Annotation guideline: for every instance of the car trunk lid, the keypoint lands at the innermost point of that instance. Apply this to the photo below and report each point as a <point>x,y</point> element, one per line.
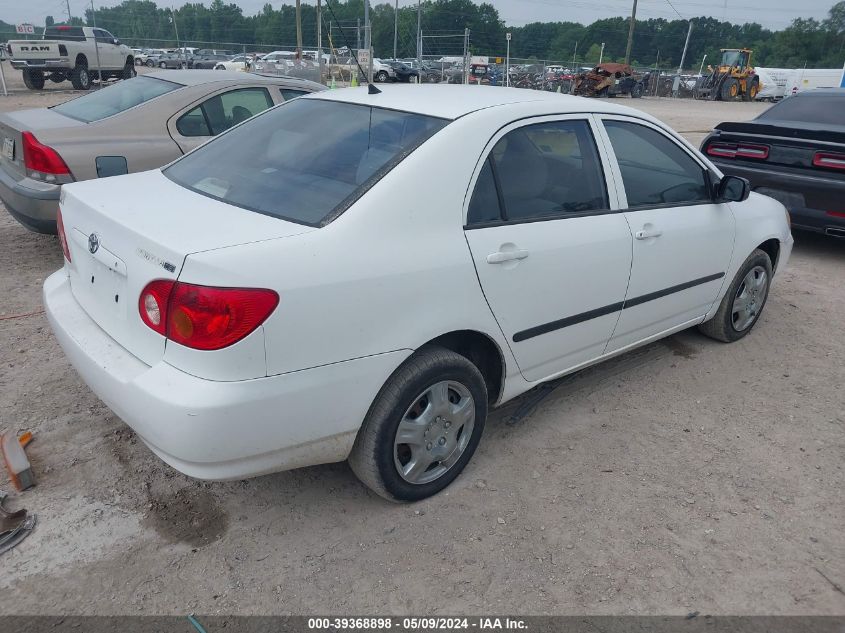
<point>789,144</point>
<point>124,232</point>
<point>39,121</point>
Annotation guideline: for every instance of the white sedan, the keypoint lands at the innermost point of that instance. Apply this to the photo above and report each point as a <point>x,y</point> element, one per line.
<point>238,62</point>
<point>280,297</point>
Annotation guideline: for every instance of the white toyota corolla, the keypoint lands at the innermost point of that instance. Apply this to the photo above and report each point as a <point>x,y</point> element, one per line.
<point>295,292</point>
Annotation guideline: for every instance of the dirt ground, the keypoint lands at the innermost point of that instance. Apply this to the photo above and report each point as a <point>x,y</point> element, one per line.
<point>686,476</point>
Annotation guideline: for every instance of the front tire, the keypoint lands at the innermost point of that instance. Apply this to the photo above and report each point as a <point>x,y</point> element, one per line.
<point>382,77</point>
<point>423,427</point>
<point>730,90</point>
<point>33,79</point>
<point>129,71</point>
<point>743,302</point>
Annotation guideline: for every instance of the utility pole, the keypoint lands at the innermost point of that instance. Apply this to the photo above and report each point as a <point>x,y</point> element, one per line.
<point>67,2</point>
<point>508,62</point>
<point>466,59</point>
<point>395,28</point>
<point>320,39</point>
<point>686,44</point>
<point>181,48</point>
<point>368,39</point>
<point>601,54</point>
<point>631,33</point>
<point>419,33</point>
<point>299,29</point>
<point>358,33</point>
<point>96,48</point>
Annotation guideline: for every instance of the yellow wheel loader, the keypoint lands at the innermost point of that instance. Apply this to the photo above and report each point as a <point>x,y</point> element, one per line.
<point>733,79</point>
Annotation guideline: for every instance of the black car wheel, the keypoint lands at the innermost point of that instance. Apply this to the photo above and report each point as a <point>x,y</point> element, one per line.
<point>80,78</point>
<point>33,79</point>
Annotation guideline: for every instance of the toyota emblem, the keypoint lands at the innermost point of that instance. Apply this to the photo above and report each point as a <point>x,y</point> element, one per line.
<point>93,243</point>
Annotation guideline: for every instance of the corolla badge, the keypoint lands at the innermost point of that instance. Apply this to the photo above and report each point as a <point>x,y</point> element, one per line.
<point>93,243</point>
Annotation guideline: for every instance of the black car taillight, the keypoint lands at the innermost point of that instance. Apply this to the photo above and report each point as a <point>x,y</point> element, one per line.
<point>829,160</point>
<point>738,150</point>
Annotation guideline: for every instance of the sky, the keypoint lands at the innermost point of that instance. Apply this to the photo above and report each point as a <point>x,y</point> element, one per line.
<point>773,14</point>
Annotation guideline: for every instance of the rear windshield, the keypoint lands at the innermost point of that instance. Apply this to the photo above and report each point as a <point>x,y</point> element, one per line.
<point>305,161</point>
<point>809,108</point>
<point>71,33</point>
<point>115,98</point>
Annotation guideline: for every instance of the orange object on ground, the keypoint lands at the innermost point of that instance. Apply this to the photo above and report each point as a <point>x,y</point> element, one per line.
<point>16,460</point>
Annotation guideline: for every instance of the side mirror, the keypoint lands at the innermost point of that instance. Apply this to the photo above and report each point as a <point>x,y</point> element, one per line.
<point>733,189</point>
<point>116,41</point>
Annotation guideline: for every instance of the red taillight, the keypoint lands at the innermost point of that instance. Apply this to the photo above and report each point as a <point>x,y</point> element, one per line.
<point>153,304</point>
<point>722,150</point>
<point>738,150</point>
<point>829,160</point>
<point>41,158</point>
<point>204,317</point>
<point>747,150</point>
<point>836,214</point>
<point>60,229</point>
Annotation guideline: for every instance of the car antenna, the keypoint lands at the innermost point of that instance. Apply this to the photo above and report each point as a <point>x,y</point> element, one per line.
<point>371,88</point>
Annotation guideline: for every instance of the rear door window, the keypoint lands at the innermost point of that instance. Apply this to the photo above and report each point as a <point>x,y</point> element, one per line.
<point>220,112</point>
<point>305,162</point>
<point>545,170</point>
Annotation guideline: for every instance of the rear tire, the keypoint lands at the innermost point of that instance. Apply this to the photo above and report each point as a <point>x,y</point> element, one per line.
<point>33,79</point>
<point>637,91</point>
<point>750,288</point>
<point>80,77</point>
<point>129,71</point>
<point>382,76</point>
<point>150,63</point>
<point>440,399</point>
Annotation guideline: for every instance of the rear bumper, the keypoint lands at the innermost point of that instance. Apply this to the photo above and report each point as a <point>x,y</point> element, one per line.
<point>811,200</point>
<point>221,430</point>
<point>31,203</point>
<point>41,64</point>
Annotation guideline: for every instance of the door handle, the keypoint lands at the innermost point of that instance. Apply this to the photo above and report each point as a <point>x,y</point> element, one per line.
<point>500,257</point>
<point>647,233</point>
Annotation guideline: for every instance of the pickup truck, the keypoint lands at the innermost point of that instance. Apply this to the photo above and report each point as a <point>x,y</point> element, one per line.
<point>74,53</point>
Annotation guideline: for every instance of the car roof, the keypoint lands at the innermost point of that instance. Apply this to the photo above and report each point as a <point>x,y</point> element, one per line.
<point>452,102</point>
<point>199,77</point>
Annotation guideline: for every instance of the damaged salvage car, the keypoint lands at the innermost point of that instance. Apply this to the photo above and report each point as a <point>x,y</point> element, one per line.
<point>274,299</point>
<point>609,80</point>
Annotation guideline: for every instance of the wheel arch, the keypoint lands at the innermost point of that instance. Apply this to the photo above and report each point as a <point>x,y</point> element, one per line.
<point>81,60</point>
<point>482,351</point>
<point>772,248</point>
